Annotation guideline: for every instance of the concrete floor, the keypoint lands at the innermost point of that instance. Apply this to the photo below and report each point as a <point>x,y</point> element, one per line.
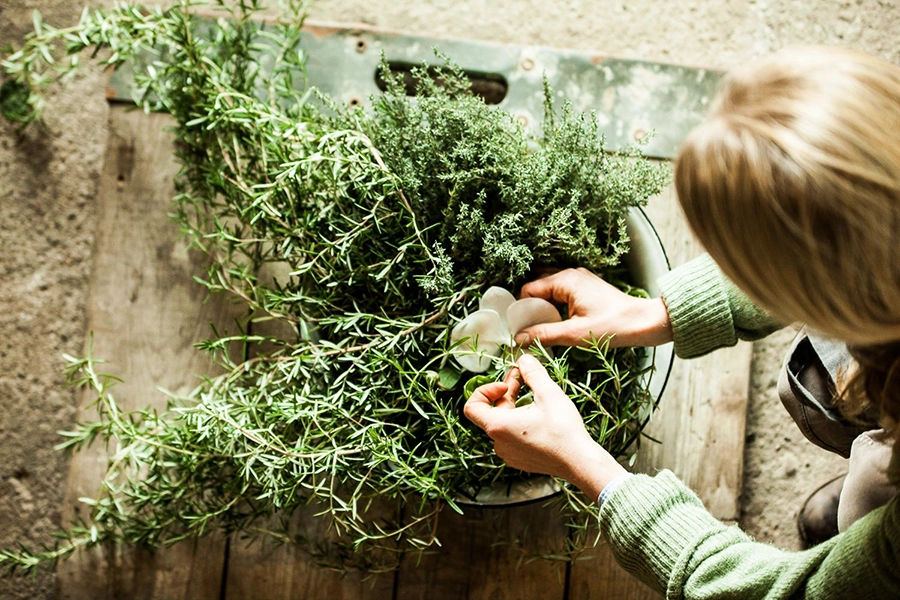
<point>48,182</point>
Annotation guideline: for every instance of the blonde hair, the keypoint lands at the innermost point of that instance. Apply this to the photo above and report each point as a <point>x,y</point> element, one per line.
<point>793,186</point>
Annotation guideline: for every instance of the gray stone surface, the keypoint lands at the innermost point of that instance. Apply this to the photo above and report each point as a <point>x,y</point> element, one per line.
<point>48,182</point>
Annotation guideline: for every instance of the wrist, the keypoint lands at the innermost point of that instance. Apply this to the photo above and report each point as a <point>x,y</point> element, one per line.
<point>591,468</point>
<point>655,326</point>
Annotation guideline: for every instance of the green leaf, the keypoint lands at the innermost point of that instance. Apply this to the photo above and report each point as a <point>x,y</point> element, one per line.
<point>448,376</point>
<point>37,21</point>
<point>14,101</point>
<point>475,382</point>
<point>524,399</point>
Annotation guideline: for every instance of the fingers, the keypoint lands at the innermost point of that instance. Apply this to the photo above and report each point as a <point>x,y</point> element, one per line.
<point>570,332</point>
<point>537,378</point>
<point>479,406</point>
<point>489,393</point>
<point>552,288</point>
<point>513,381</point>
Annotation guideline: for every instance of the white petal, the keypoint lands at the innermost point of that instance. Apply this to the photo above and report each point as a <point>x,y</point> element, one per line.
<point>498,299</point>
<point>479,337</point>
<point>530,311</point>
<point>480,362</point>
<point>486,325</point>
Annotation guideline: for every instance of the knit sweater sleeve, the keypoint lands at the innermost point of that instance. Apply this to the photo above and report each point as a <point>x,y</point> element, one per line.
<point>707,311</point>
<point>659,531</point>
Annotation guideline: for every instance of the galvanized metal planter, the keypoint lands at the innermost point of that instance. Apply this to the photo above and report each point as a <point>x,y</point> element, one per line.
<point>646,261</point>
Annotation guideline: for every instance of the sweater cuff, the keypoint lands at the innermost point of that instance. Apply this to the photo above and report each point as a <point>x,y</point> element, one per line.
<point>650,522</point>
<point>611,487</point>
<point>699,311</point>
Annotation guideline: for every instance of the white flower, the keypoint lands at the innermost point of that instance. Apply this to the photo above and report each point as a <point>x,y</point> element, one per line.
<point>480,337</point>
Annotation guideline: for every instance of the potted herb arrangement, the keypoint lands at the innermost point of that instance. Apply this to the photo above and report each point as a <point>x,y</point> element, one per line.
<point>391,228</point>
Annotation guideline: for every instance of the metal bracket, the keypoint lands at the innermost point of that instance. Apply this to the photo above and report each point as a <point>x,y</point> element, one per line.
<point>631,98</point>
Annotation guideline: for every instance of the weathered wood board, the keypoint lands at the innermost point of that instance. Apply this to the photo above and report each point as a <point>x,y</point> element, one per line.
<point>477,562</point>
<point>145,314</point>
<point>263,569</point>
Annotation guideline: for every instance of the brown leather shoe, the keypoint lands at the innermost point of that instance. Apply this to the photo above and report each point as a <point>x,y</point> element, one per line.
<point>817,520</point>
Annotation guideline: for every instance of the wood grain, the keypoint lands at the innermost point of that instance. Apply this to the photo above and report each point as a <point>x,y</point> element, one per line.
<point>145,313</point>
<point>262,569</point>
<point>598,575</point>
<point>477,562</point>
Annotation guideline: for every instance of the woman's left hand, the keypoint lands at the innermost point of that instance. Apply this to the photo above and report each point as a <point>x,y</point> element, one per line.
<point>547,436</point>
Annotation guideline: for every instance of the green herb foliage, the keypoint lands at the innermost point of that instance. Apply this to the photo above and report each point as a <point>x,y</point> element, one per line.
<point>357,239</point>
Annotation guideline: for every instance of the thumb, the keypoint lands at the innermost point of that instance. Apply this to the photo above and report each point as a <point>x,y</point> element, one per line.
<point>479,407</point>
<point>537,378</point>
<point>563,333</point>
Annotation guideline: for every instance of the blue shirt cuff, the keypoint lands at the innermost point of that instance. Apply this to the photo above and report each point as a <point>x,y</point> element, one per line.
<point>611,487</point>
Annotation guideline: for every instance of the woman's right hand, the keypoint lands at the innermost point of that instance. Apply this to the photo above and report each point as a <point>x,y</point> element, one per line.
<point>597,310</point>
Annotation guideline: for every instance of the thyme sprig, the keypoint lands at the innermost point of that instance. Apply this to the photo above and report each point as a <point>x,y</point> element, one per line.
<point>356,239</point>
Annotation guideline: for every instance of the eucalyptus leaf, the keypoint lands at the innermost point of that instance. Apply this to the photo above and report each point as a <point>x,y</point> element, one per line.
<point>449,376</point>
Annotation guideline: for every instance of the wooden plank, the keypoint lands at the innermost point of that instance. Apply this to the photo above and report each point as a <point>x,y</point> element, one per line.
<point>702,419</point>
<point>701,423</point>
<point>598,575</point>
<point>145,313</point>
<point>263,568</point>
<point>477,562</point>
<point>702,426</point>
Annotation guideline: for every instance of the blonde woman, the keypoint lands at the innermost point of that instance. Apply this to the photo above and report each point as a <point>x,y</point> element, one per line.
<point>792,184</point>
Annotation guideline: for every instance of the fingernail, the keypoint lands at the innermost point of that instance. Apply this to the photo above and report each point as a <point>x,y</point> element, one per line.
<point>527,357</point>
<point>512,372</point>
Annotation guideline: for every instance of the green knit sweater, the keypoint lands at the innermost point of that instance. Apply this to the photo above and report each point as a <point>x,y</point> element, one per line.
<point>707,311</point>
<point>659,530</point>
